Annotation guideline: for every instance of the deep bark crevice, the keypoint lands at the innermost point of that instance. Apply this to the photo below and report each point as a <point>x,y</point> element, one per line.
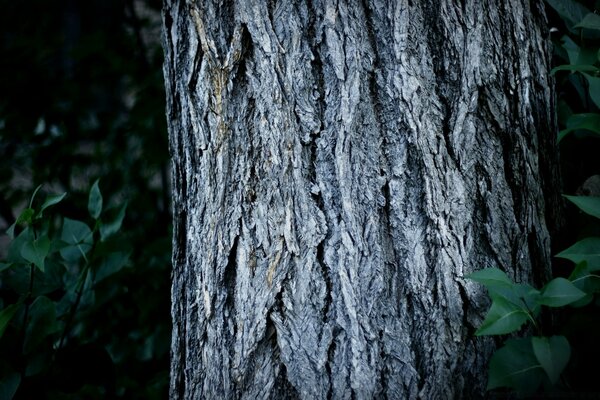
<point>230,275</point>
<point>286,390</point>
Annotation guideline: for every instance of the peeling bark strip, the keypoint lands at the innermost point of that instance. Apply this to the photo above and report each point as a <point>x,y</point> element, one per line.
<point>339,166</point>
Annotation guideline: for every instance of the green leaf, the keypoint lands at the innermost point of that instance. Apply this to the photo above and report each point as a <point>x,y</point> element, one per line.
<point>95,200</point>
<point>4,266</point>
<point>577,68</point>
<point>500,285</point>
<point>587,250</point>
<point>111,264</point>
<point>586,121</point>
<point>564,112</point>
<point>588,204</point>
<point>515,366</point>
<point>14,249</point>
<point>11,230</point>
<point>503,317</point>
<point>26,216</point>
<point>594,88</point>
<point>112,227</point>
<point>491,277</point>
<point>569,10</point>
<point>35,251</point>
<point>584,301</point>
<point>553,354</point>
<point>559,292</point>
<point>50,201</point>
<point>590,21</point>
<point>42,323</point>
<point>584,278</point>
<point>78,237</point>
<point>572,50</point>
<point>6,315</point>
<point>9,385</point>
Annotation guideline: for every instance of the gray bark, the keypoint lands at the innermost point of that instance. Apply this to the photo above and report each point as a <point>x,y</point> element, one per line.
<point>339,167</point>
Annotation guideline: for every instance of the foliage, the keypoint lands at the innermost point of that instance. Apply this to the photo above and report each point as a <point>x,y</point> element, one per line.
<point>81,97</point>
<point>53,274</point>
<point>525,364</point>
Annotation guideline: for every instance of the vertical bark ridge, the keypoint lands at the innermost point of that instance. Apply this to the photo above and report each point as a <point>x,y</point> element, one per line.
<point>340,165</point>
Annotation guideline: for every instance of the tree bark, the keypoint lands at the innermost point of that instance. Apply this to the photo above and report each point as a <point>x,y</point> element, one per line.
<point>339,167</point>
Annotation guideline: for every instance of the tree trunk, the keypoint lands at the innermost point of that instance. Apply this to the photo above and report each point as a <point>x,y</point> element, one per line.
<point>339,167</point>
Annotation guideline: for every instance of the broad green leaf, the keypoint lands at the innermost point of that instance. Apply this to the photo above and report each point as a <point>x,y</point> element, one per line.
<point>110,228</point>
<point>564,112</point>
<point>503,317</point>
<point>515,366</point>
<point>26,216</point>
<point>594,88</point>
<point>53,279</point>
<point>14,249</point>
<point>577,68</point>
<point>587,204</point>
<point>6,315</point>
<point>572,49</point>
<point>553,354</point>
<point>11,230</point>
<point>585,121</point>
<point>562,133</point>
<point>42,323</point>
<point>95,201</point>
<point>78,237</point>
<point>35,251</point>
<point>584,301</point>
<point>585,279</point>
<point>490,277</point>
<point>570,11</point>
<point>590,21</point>
<point>500,286</point>
<point>111,264</point>
<point>4,266</point>
<point>587,250</point>
<point>559,292</point>
<point>51,201</point>
<point>9,385</point>
<point>578,81</point>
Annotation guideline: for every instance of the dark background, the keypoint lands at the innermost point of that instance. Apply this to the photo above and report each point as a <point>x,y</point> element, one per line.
<point>81,98</point>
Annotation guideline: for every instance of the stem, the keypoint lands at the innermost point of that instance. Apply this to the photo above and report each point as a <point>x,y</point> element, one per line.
<point>80,287</point>
<point>71,316</point>
<point>26,315</point>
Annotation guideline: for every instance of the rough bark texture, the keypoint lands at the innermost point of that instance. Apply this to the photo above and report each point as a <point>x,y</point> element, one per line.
<point>339,166</point>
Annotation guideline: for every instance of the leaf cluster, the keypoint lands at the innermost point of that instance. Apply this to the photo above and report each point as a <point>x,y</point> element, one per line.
<point>52,273</point>
<point>527,363</point>
<point>579,48</point>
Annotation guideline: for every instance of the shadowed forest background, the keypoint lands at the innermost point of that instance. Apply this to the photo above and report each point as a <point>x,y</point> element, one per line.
<point>82,98</point>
